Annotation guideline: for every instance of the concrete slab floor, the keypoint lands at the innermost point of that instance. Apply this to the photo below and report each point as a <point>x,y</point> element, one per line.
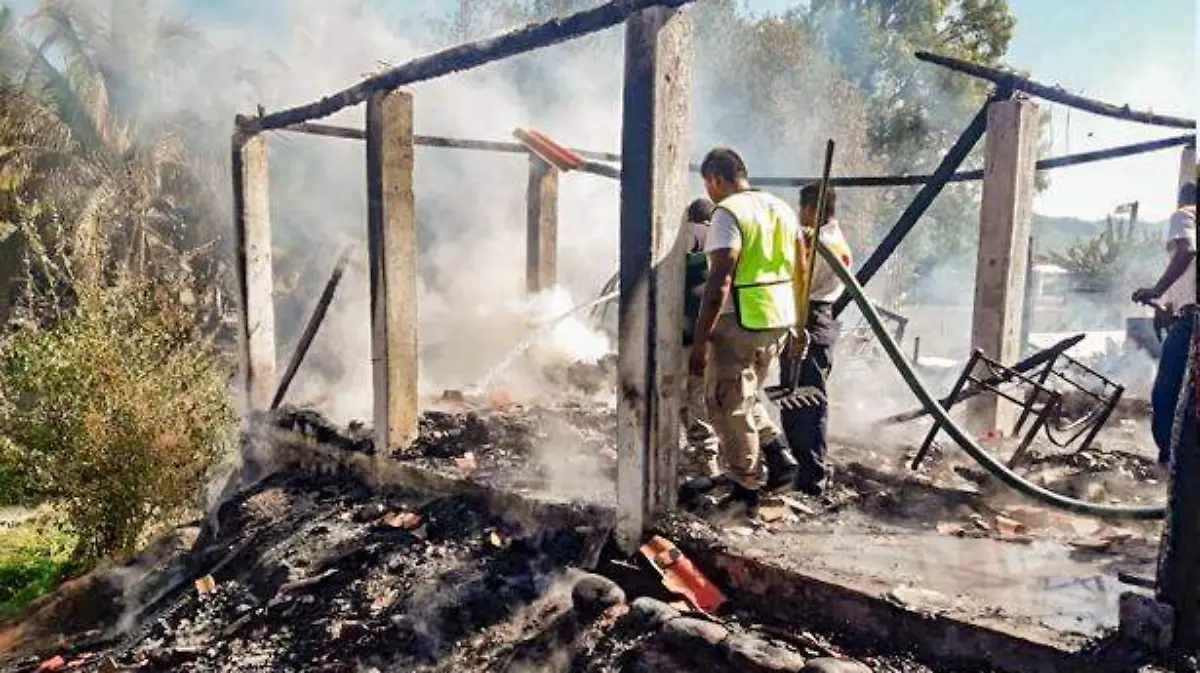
<point>1043,589</point>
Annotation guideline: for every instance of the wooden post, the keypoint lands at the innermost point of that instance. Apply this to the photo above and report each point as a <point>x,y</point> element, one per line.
<point>392,249</point>
<point>1004,228</point>
<point>252,234</point>
<point>655,146</point>
<point>541,234</point>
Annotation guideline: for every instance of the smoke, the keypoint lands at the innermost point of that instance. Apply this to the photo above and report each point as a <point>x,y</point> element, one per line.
<point>471,205</point>
<point>572,474</point>
<point>471,300</point>
<point>472,304</point>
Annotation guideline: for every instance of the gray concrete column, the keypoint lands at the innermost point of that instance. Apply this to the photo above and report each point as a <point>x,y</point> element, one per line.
<point>1004,229</point>
<point>655,148</point>
<point>392,249</point>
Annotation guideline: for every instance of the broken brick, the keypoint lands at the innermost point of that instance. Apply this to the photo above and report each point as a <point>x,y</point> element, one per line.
<point>403,520</point>
<point>55,663</point>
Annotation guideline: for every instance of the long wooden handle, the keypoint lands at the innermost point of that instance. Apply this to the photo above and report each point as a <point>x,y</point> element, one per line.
<point>804,292</point>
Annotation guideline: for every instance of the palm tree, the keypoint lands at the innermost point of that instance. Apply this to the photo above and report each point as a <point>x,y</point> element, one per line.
<point>133,200</point>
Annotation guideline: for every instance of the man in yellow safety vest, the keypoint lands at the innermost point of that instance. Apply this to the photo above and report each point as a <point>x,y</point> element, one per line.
<point>747,309</point>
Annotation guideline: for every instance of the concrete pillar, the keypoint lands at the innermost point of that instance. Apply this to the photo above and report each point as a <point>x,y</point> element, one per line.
<point>541,234</point>
<point>1004,229</point>
<point>392,249</point>
<point>252,234</point>
<point>655,148</point>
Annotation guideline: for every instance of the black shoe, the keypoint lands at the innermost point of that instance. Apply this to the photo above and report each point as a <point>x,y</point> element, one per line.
<point>740,498</point>
<point>782,468</point>
<point>811,488</point>
<point>692,492</point>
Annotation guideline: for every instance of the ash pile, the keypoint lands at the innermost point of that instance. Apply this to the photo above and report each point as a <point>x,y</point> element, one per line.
<point>565,450</point>
<point>320,573</point>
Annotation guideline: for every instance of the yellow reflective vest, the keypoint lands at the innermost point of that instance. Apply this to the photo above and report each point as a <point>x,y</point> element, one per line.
<point>763,292</point>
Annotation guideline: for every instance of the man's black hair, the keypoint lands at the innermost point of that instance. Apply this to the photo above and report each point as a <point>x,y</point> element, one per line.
<point>724,163</point>
<point>811,192</point>
<point>700,211</point>
<point>1187,194</point>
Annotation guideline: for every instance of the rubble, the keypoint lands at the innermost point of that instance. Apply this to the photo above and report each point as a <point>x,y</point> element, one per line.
<point>506,446</point>
<point>318,572</point>
<point>322,570</point>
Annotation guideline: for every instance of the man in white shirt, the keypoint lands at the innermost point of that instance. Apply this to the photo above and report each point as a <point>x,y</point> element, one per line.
<point>1177,290</point>
<point>807,426</point>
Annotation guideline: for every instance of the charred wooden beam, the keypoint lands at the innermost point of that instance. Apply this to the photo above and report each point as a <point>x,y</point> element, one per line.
<point>921,202</point>
<point>975,175</point>
<point>1015,82</point>
<point>310,330</point>
<point>463,57</point>
<point>333,131</point>
<point>596,165</point>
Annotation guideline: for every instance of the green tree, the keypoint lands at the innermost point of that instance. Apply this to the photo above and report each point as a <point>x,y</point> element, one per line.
<point>114,165</point>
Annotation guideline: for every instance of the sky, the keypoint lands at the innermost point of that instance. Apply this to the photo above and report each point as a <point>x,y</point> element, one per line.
<point>1137,52</point>
<point>1119,51</point>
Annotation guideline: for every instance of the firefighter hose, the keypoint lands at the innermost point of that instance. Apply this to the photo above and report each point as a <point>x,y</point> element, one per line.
<point>986,461</point>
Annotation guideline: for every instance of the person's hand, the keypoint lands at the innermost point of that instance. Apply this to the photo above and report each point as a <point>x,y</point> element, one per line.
<point>1145,295</point>
<point>698,358</point>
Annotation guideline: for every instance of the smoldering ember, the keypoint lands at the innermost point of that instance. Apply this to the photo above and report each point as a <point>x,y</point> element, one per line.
<point>895,417</point>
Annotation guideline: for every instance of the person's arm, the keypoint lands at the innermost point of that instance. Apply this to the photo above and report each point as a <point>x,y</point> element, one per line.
<point>1183,251</point>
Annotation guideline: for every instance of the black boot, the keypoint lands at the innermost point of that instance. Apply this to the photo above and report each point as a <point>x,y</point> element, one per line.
<point>782,468</point>
<point>692,492</point>
<point>740,497</point>
<point>809,487</point>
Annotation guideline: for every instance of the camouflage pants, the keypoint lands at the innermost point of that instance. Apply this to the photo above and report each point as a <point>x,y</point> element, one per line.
<point>701,437</point>
<point>738,363</point>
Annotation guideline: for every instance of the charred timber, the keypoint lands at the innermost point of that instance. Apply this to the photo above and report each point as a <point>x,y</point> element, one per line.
<point>463,57</point>
<point>973,175</point>
<point>332,131</point>
<point>310,330</point>
<point>596,165</point>
<point>1055,94</point>
<point>921,202</point>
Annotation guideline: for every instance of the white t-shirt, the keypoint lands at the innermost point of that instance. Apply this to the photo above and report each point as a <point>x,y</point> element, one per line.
<point>825,285</point>
<point>1181,230</point>
<point>724,233</point>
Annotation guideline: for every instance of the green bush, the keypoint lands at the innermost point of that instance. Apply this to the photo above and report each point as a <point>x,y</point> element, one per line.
<point>119,412</point>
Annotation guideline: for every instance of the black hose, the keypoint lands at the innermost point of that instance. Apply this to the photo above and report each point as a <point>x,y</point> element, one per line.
<point>996,468</point>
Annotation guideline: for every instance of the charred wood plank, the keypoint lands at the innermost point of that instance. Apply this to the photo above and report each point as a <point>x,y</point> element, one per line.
<point>464,57</point>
